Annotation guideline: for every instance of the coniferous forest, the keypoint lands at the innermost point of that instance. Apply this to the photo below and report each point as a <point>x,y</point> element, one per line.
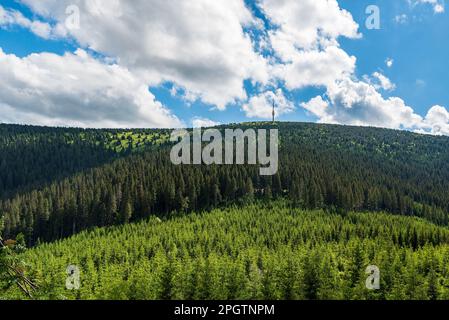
<point>138,227</point>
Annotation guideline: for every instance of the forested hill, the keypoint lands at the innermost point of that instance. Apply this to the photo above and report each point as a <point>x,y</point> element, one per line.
<point>57,182</point>
<point>31,156</point>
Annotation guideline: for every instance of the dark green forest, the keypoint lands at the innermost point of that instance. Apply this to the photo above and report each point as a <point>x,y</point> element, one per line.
<point>32,156</point>
<point>139,227</point>
<point>331,167</point>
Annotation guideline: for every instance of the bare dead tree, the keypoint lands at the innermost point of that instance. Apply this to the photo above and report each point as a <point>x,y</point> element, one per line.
<point>16,272</point>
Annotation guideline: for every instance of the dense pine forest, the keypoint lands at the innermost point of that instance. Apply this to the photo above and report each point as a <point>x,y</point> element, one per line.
<point>338,168</point>
<point>32,156</point>
<point>139,227</point>
<point>261,251</point>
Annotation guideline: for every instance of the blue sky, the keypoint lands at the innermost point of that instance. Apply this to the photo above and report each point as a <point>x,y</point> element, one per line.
<point>412,35</point>
<point>420,69</point>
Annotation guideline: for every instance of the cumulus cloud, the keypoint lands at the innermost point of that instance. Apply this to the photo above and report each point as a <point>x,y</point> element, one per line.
<point>308,23</point>
<point>316,68</point>
<point>199,122</point>
<point>10,17</point>
<point>305,40</point>
<point>199,45</point>
<point>317,106</point>
<point>380,81</point>
<point>261,106</point>
<point>202,48</point>
<point>207,50</point>
<point>358,103</point>
<point>437,121</point>
<point>76,90</point>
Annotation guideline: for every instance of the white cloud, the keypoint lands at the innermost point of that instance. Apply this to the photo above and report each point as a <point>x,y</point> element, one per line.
<point>439,8</point>
<point>202,48</point>
<point>308,23</point>
<point>13,17</point>
<point>316,68</point>
<point>317,106</point>
<point>206,52</point>
<point>379,81</point>
<point>437,121</point>
<point>384,82</point>
<point>358,103</point>
<point>437,5</point>
<point>306,41</point>
<point>389,62</point>
<point>401,18</point>
<point>76,90</point>
<point>199,45</point>
<point>261,106</point>
<point>199,122</point>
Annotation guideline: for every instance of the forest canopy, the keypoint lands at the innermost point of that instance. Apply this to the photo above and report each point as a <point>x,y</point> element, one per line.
<point>259,251</point>
<point>320,166</point>
<point>111,203</point>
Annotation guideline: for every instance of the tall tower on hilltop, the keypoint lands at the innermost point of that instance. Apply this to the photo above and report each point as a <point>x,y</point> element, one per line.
<point>274,112</point>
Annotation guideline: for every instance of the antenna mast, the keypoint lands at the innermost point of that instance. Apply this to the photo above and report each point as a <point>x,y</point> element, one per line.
<point>274,112</point>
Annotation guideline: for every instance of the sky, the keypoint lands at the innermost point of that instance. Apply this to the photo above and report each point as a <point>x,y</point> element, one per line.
<point>177,63</point>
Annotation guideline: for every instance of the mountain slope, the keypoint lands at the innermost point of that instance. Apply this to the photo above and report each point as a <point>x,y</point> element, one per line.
<point>321,166</point>
<point>33,156</point>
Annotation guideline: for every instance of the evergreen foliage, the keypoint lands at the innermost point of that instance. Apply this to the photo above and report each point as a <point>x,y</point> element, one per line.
<point>321,166</point>
<point>259,251</point>
<point>139,227</point>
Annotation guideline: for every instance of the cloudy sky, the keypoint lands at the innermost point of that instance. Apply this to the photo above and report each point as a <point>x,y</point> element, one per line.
<point>159,63</point>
